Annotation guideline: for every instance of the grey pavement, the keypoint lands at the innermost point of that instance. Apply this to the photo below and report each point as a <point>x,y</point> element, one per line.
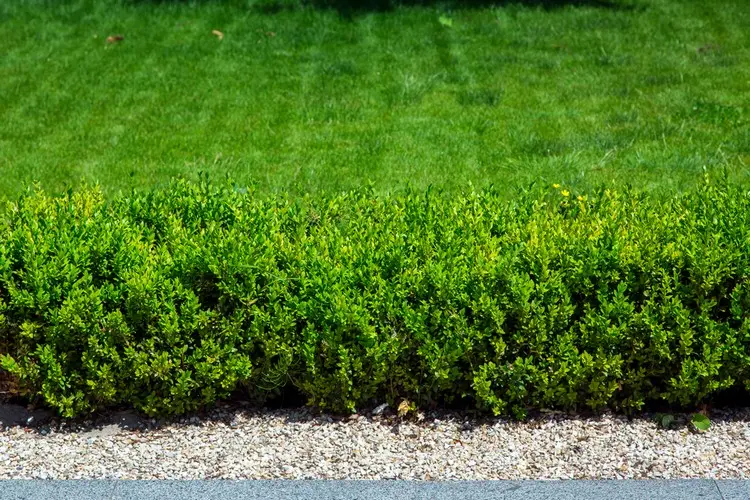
<point>376,490</point>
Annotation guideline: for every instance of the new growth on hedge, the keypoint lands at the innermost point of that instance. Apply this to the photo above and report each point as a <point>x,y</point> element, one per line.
<point>169,300</point>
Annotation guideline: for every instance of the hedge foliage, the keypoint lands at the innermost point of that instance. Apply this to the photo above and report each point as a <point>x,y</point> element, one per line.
<point>169,300</point>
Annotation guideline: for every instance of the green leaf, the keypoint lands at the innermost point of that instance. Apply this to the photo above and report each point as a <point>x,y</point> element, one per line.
<point>446,21</point>
<point>666,420</point>
<point>700,422</point>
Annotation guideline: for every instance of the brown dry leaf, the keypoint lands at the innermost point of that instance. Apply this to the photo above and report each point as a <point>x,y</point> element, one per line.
<point>218,34</point>
<point>115,38</point>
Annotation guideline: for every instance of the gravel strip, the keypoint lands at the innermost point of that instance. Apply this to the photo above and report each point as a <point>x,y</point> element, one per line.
<point>231,442</point>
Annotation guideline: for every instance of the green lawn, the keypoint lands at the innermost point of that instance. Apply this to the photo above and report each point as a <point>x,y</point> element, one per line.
<point>307,99</point>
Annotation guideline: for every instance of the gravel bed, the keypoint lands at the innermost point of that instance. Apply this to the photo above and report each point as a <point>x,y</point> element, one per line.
<point>233,442</point>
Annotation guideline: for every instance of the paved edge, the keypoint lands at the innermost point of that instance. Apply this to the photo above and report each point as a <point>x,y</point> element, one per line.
<point>682,489</point>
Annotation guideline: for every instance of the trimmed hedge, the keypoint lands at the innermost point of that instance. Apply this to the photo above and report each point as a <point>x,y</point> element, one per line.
<point>169,300</point>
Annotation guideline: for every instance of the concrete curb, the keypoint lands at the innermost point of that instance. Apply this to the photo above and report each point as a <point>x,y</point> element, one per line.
<point>704,489</point>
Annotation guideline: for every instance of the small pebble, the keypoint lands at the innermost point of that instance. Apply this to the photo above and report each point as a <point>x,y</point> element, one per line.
<point>380,409</point>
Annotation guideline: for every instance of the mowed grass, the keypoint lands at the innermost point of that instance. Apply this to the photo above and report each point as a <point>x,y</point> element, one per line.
<point>647,92</point>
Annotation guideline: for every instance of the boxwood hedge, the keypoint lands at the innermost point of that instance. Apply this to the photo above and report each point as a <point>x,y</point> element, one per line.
<point>169,300</point>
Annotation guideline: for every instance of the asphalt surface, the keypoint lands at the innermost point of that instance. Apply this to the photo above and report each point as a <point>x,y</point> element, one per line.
<point>705,489</point>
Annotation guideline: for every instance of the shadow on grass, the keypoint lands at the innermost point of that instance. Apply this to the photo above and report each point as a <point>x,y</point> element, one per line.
<point>355,6</point>
<point>350,8</point>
